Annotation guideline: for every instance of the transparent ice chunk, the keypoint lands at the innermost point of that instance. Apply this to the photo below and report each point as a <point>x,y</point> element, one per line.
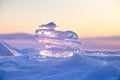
<point>57,43</point>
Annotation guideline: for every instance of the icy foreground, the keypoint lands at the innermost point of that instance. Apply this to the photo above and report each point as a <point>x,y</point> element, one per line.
<point>56,55</point>
<point>86,65</point>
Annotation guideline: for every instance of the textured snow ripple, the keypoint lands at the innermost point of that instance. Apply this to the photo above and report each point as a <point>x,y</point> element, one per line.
<point>100,53</point>
<point>32,66</point>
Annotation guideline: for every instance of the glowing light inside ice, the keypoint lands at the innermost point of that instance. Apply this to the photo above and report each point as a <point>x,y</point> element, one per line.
<point>57,43</point>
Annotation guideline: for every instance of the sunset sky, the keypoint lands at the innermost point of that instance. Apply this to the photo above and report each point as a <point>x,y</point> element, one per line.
<point>89,18</point>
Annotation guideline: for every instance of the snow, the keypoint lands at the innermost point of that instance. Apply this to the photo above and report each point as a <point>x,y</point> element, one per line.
<point>86,65</point>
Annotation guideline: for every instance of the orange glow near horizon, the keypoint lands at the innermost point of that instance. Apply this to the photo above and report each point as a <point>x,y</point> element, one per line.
<point>88,18</point>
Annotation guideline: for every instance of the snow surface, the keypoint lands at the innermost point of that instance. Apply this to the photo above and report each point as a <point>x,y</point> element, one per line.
<point>86,65</point>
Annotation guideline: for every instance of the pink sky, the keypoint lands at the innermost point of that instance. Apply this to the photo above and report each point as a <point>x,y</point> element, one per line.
<point>89,18</point>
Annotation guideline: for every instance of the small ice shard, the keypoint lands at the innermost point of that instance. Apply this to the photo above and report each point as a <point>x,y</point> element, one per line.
<point>50,25</point>
<point>5,50</point>
<point>57,43</point>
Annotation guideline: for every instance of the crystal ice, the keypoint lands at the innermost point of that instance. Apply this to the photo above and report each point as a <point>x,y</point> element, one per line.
<point>57,43</point>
